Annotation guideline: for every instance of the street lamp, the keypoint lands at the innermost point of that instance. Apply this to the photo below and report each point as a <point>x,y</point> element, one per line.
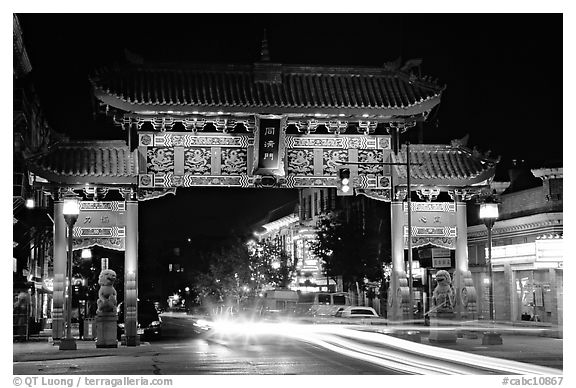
<point>489,214</point>
<point>71,209</point>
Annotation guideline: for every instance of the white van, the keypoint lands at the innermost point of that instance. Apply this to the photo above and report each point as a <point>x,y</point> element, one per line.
<point>279,301</point>
<point>322,303</point>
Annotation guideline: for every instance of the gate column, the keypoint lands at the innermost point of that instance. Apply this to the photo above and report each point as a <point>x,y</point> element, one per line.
<point>463,284</point>
<point>131,274</point>
<point>59,271</point>
<point>398,291</point>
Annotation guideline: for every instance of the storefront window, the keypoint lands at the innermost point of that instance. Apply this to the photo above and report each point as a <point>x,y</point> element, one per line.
<point>534,296</point>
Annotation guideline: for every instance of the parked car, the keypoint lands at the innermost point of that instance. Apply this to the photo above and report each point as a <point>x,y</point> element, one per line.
<point>356,312</point>
<point>149,321</point>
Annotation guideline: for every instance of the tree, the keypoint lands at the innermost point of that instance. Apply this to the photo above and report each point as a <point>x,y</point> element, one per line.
<point>270,265</point>
<point>227,276</point>
<point>351,249</point>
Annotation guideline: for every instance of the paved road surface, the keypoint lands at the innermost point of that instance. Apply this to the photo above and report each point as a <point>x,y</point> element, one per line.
<point>269,349</point>
<point>181,351</point>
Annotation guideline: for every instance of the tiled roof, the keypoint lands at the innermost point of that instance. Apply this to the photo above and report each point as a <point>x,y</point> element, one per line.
<point>283,211</point>
<point>21,62</point>
<point>81,162</point>
<point>443,165</point>
<point>266,88</point>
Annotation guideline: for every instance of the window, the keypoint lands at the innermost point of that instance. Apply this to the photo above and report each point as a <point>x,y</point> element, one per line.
<point>175,268</point>
<point>361,312</point>
<point>339,299</point>
<point>306,298</point>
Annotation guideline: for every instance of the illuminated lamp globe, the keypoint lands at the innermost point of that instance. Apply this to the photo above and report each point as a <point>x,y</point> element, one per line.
<point>489,210</point>
<point>71,207</point>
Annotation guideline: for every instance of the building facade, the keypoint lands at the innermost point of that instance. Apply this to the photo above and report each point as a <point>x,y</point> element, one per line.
<point>527,252</point>
<point>32,225</point>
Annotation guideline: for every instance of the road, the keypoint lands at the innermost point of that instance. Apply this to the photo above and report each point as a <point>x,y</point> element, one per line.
<point>272,348</point>
<point>182,351</point>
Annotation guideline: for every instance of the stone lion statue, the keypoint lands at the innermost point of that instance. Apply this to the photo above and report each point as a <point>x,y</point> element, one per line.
<point>443,295</point>
<point>107,293</point>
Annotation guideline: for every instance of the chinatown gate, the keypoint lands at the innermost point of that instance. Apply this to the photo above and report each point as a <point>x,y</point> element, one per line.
<point>265,125</point>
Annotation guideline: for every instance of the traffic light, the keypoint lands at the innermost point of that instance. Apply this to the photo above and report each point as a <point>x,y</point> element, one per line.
<point>344,182</point>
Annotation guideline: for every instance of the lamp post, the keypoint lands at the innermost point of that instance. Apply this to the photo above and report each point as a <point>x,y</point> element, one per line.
<point>489,214</point>
<point>71,209</point>
<point>410,261</point>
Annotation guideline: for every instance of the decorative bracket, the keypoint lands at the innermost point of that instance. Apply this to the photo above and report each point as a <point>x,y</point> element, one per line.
<point>163,123</point>
<point>402,126</point>
<point>428,194</point>
<point>464,194</point>
<point>337,127</point>
<point>400,194</point>
<point>95,193</point>
<point>367,127</point>
<point>129,194</point>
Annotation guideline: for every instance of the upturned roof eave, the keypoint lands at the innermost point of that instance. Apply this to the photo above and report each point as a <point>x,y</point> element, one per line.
<point>183,109</point>
<point>484,178</point>
<point>129,177</point>
<point>80,180</point>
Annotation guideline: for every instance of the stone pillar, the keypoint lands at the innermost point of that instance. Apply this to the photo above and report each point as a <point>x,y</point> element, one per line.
<point>398,291</point>
<point>59,271</point>
<point>106,327</point>
<point>131,274</point>
<point>463,284</point>
<point>440,330</point>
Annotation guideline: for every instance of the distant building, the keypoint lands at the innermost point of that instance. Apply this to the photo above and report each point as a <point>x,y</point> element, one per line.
<point>293,228</point>
<point>280,229</point>
<point>314,203</point>
<point>527,253</point>
<point>32,227</point>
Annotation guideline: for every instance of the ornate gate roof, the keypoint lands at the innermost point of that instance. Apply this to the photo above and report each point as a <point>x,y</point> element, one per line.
<point>106,162</point>
<point>443,165</point>
<point>266,88</point>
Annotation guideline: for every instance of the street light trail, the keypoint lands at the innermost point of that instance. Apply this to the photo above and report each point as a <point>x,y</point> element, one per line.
<point>382,350</point>
<point>452,361</point>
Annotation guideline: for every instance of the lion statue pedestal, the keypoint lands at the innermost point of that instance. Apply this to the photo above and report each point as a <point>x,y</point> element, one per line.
<point>442,312</point>
<point>106,318</point>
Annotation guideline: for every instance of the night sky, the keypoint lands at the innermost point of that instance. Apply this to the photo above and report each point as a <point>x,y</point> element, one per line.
<point>503,75</point>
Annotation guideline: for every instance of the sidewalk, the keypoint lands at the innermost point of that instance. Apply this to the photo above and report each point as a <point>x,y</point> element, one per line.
<point>531,349</point>
<point>48,350</point>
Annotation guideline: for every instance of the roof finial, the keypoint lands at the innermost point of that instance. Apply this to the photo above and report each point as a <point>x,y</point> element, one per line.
<point>264,53</point>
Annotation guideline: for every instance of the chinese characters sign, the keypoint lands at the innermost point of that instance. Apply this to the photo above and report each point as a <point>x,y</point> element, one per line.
<point>441,258</point>
<point>101,223</point>
<point>432,223</point>
<point>269,141</point>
